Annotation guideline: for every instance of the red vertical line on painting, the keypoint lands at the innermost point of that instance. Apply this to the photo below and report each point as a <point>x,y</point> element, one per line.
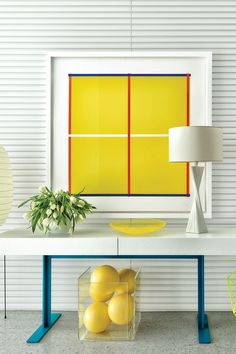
<point>129,128</point>
<point>69,138</point>
<point>188,123</point>
<point>188,100</point>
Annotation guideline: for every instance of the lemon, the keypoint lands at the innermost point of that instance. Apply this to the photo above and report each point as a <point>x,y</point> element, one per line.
<point>98,292</point>
<point>96,318</point>
<point>107,276</point>
<point>121,309</point>
<point>127,276</point>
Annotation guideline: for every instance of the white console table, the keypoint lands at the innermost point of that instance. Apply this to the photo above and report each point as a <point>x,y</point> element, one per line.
<point>102,242</point>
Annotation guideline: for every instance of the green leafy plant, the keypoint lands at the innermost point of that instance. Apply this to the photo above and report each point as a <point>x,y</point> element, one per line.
<point>50,210</point>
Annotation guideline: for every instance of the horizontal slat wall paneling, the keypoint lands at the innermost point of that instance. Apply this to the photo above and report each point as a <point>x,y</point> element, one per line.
<point>28,30</point>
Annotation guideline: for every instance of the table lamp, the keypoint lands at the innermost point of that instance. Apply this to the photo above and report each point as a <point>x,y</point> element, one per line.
<point>195,144</point>
<point>6,185</point>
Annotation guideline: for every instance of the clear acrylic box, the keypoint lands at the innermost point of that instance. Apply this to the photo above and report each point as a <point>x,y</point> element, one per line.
<point>114,331</point>
<point>231,282</point>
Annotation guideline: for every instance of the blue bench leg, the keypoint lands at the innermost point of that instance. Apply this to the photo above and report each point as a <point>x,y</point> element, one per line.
<point>203,327</point>
<point>48,319</point>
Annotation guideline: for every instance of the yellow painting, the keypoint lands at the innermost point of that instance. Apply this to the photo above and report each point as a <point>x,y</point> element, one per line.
<point>151,170</point>
<point>118,134</point>
<point>98,165</point>
<point>99,105</point>
<point>157,103</point>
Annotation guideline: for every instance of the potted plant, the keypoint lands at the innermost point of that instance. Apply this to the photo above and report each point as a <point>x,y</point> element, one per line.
<point>57,211</point>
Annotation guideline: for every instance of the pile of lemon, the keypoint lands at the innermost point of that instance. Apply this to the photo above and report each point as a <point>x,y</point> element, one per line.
<point>109,285</point>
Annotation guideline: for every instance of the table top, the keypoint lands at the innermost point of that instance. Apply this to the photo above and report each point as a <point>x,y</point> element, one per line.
<point>101,240</point>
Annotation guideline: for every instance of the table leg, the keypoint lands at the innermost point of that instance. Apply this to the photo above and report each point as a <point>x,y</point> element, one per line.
<point>48,319</point>
<point>5,285</point>
<point>203,328</point>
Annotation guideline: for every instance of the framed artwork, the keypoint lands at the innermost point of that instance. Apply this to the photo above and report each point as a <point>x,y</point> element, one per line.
<point>110,114</point>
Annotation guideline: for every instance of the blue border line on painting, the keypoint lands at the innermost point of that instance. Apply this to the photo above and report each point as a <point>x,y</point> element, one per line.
<point>128,74</point>
<point>135,195</point>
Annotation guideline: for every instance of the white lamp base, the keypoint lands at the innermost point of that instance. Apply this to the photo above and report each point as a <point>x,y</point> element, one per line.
<point>196,222</point>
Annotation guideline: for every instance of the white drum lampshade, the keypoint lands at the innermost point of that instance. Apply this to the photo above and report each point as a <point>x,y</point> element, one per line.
<point>6,185</point>
<point>195,144</point>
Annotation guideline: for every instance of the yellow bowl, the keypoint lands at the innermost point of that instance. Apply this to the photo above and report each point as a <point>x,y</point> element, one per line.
<point>138,226</point>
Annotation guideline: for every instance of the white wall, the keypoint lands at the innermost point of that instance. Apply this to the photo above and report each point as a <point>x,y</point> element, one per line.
<point>28,29</point>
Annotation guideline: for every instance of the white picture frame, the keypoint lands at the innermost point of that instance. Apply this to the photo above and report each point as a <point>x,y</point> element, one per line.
<point>60,64</point>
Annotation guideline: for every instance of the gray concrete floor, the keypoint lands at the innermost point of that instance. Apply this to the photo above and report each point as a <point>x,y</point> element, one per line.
<point>159,332</point>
